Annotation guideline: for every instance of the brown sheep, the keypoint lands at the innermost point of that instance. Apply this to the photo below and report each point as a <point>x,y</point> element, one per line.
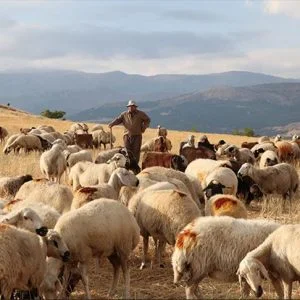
<point>285,151</point>
<point>191,153</point>
<point>248,145</point>
<point>160,144</point>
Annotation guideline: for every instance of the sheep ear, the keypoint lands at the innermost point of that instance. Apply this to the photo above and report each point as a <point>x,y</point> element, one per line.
<point>263,270</point>
<point>11,218</point>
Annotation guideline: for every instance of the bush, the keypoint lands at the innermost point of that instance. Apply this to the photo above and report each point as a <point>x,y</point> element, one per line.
<point>246,131</point>
<point>57,114</point>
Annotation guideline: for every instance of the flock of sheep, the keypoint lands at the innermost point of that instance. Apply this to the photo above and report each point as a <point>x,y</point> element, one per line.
<point>198,206</point>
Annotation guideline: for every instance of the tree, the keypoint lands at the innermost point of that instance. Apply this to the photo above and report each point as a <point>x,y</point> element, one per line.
<point>248,131</point>
<point>56,114</point>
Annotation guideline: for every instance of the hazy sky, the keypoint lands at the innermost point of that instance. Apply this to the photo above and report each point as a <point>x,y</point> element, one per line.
<point>152,37</point>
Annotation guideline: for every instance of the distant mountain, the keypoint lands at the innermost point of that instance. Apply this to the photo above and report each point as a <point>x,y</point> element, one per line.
<point>71,91</point>
<point>218,109</point>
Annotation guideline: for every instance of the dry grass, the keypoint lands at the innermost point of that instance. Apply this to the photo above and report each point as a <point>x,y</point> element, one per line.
<point>154,283</point>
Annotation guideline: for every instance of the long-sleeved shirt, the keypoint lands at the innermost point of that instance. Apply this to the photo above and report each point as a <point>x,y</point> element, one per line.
<point>135,123</point>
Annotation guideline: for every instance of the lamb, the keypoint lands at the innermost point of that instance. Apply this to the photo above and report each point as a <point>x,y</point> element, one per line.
<point>83,155</point>
<point>110,190</point>
<point>100,173</point>
<point>26,268</point>
<point>150,144</point>
<point>223,176</point>
<point>214,247</point>
<point>268,158</point>
<point>53,163</point>
<point>3,134</point>
<point>53,194</point>
<point>26,142</point>
<point>102,227</point>
<point>242,155</point>
<point>275,259</point>
<point>9,186</point>
<point>47,214</point>
<point>225,205</point>
<point>162,214</point>
<point>279,179</point>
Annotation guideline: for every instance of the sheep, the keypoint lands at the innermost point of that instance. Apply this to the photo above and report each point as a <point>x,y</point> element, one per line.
<point>200,167</point>
<point>3,134</point>
<point>296,150</point>
<point>76,171</point>
<point>214,246</point>
<point>279,179</point>
<point>106,155</point>
<point>190,143</point>
<point>9,186</point>
<point>53,163</point>
<point>275,259</point>
<point>48,214</point>
<point>224,176</point>
<point>248,145</point>
<point>159,174</point>
<point>100,173</point>
<point>261,148</point>
<point>192,154</point>
<point>242,155</point>
<point>150,144</point>
<point>263,139</point>
<point>27,142</point>
<point>161,131</point>
<point>268,158</point>
<point>285,151</point>
<point>162,214</point>
<point>60,142</point>
<point>76,127</point>
<point>26,268</point>
<point>97,127</point>
<point>296,138</point>
<point>9,141</point>
<point>73,158</point>
<point>101,137</point>
<point>73,148</point>
<point>47,128</point>
<point>225,205</point>
<point>83,140</point>
<point>103,227</point>
<point>163,159</point>
<point>25,218</point>
<point>118,178</point>
<point>160,144</point>
<point>53,194</point>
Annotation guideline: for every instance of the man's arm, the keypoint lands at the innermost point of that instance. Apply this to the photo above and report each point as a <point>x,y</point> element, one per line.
<point>116,121</point>
<point>146,122</point>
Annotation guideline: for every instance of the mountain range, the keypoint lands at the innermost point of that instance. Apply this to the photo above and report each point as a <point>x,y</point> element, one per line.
<point>218,102</point>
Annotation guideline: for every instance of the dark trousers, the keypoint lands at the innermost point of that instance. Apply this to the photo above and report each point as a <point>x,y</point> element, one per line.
<point>133,143</point>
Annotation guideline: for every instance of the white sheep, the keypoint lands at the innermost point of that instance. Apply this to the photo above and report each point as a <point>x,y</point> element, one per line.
<point>9,186</point>
<point>225,205</point>
<point>47,128</point>
<point>102,137</point>
<point>100,173</point>
<point>74,158</point>
<point>268,158</point>
<point>223,176</point>
<point>47,214</point>
<point>106,155</point>
<point>101,228</point>
<point>76,171</point>
<point>26,142</point>
<point>162,214</point>
<point>53,194</point>
<point>159,174</point>
<point>279,179</point>
<point>119,177</point>
<point>275,259</point>
<point>25,269</point>
<point>261,148</point>
<point>97,127</point>
<point>214,247</point>
<point>9,141</point>
<point>263,139</point>
<point>53,163</point>
<point>25,218</point>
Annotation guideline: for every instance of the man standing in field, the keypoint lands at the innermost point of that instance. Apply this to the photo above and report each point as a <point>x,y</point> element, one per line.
<point>135,122</point>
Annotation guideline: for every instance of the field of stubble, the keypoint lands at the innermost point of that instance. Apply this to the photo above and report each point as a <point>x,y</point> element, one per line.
<point>153,282</point>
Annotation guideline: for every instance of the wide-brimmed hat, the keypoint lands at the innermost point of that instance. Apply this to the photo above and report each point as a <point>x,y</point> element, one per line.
<point>131,103</point>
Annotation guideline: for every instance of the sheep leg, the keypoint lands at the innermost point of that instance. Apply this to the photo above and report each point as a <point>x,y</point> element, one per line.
<point>145,251</point>
<point>245,290</point>
<point>192,291</point>
<point>277,284</point>
<point>85,279</point>
<point>126,275</point>
<point>160,250</point>
<point>115,261</point>
<point>287,289</point>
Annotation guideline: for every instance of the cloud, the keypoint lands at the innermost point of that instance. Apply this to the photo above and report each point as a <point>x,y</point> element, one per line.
<point>193,15</point>
<point>288,8</point>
